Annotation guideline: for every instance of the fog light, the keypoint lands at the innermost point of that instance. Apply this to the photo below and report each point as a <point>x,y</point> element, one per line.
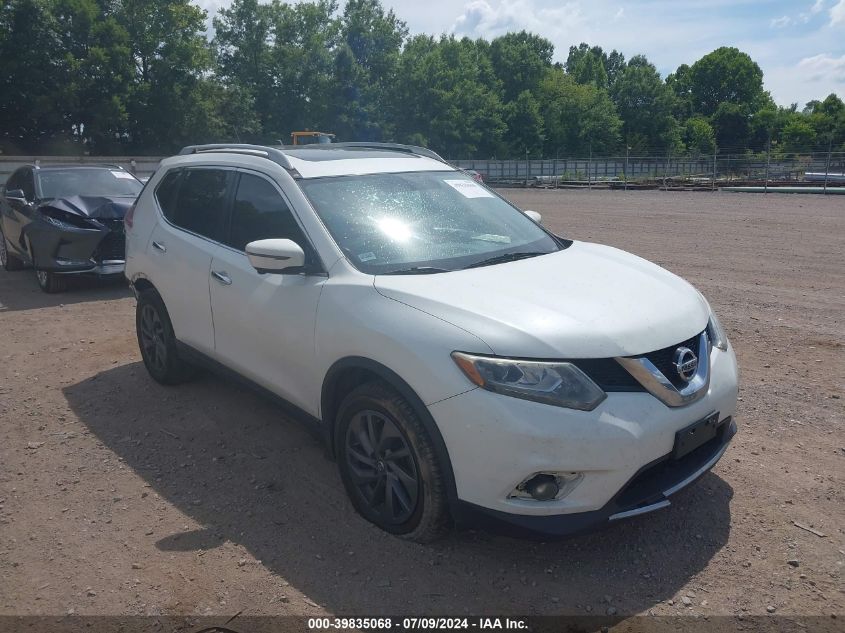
<point>546,486</point>
<point>542,487</point>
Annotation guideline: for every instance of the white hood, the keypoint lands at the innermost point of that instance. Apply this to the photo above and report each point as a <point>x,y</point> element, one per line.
<point>586,301</point>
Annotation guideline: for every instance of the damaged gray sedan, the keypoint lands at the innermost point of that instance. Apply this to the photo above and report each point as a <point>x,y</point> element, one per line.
<point>65,220</point>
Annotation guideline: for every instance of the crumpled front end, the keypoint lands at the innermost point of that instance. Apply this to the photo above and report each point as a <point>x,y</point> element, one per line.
<point>79,234</point>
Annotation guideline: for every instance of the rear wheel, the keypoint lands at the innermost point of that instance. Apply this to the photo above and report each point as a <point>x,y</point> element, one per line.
<point>388,465</point>
<point>157,341</point>
<point>7,260</point>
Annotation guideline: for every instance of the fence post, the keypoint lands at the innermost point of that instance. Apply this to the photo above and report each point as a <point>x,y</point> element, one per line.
<point>768,159</point>
<point>715,151</point>
<point>827,165</point>
<point>590,169</point>
<point>627,150</point>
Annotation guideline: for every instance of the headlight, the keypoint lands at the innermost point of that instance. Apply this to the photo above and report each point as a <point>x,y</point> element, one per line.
<point>716,333</point>
<point>556,383</point>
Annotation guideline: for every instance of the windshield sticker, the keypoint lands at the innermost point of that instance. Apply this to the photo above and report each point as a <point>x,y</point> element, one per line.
<point>122,174</point>
<point>469,188</point>
<point>366,257</point>
<point>489,237</point>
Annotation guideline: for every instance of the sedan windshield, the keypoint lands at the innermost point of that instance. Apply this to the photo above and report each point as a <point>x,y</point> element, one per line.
<point>423,222</point>
<point>88,181</point>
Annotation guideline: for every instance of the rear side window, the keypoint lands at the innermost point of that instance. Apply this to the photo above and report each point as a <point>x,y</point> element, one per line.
<point>260,213</point>
<point>199,204</point>
<point>166,192</point>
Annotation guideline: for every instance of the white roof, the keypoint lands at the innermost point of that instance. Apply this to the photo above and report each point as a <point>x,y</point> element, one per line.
<point>388,163</point>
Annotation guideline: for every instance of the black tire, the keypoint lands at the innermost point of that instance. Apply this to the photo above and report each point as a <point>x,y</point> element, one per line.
<point>157,341</point>
<point>7,260</point>
<point>50,283</point>
<point>402,494</point>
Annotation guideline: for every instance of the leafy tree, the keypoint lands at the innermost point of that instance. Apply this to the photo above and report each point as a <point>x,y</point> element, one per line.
<point>646,105</point>
<point>448,98</point>
<point>30,112</point>
<point>584,57</point>
<point>577,118</point>
<point>699,136</point>
<point>798,135</point>
<point>732,127</point>
<point>519,61</point>
<point>727,75</point>
<point>365,70</point>
<point>524,125</point>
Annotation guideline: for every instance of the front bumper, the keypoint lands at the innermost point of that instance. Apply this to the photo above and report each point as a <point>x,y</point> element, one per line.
<point>77,250</point>
<point>648,490</point>
<point>494,442</point>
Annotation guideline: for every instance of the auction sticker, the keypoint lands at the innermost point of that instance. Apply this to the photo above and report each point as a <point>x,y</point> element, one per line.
<point>469,188</point>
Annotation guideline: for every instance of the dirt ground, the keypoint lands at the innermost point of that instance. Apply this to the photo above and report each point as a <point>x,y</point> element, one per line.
<point>120,496</point>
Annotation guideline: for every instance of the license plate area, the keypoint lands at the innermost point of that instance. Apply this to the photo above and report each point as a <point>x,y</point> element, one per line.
<point>691,437</point>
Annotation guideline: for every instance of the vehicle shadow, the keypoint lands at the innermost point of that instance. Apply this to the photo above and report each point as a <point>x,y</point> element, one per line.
<point>239,466</point>
<point>19,291</point>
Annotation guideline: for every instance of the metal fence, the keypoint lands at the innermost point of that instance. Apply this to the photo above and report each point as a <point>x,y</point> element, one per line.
<point>714,168</point>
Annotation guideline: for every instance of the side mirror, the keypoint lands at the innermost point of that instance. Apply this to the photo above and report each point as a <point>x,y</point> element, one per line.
<point>275,256</point>
<point>534,216</point>
<point>17,195</point>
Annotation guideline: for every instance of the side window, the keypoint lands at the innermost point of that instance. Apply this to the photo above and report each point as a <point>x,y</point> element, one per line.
<point>166,193</point>
<point>14,181</point>
<point>200,203</point>
<point>260,213</point>
<point>28,184</point>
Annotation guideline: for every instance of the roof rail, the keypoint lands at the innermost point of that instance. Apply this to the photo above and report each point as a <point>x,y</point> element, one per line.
<point>395,147</point>
<point>272,153</point>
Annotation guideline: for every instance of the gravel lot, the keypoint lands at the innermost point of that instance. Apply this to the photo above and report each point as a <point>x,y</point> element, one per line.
<point>119,496</point>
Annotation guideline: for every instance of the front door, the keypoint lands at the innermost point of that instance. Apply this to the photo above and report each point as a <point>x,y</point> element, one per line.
<point>264,323</point>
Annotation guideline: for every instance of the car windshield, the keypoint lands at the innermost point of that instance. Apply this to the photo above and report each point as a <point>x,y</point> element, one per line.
<point>422,222</point>
<point>87,181</point>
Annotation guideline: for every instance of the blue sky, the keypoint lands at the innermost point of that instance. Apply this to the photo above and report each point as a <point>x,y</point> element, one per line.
<point>799,44</point>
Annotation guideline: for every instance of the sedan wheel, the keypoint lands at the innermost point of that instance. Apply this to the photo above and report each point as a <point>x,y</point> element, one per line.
<point>382,466</point>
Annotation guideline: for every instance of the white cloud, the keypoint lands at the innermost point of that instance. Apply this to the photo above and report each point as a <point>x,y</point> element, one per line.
<point>823,66</point>
<point>837,13</point>
<point>779,23</point>
<point>817,7</point>
<point>482,19</point>
<point>619,14</point>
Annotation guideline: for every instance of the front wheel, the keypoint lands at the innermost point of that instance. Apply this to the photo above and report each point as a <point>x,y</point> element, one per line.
<point>388,465</point>
<point>157,341</point>
<point>50,282</point>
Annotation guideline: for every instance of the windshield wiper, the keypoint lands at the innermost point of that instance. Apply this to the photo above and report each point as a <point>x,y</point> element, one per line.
<point>506,257</point>
<point>417,270</point>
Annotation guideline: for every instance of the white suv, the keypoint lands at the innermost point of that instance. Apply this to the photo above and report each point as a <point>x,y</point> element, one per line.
<point>462,363</point>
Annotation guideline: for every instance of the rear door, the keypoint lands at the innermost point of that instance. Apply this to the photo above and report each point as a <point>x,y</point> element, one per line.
<point>264,323</point>
<point>193,202</point>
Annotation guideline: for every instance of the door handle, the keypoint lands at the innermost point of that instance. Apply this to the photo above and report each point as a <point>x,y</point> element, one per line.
<point>159,246</point>
<point>222,277</point>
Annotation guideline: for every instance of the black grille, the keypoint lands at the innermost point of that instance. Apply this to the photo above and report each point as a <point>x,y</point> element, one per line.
<point>608,374</point>
<point>113,245</point>
<point>611,376</point>
<point>663,359</point>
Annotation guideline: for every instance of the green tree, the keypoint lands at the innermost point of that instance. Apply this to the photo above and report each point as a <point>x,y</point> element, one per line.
<point>584,56</point>
<point>732,127</point>
<point>727,75</point>
<point>365,70</point>
<point>646,105</point>
<point>524,122</point>
<point>448,97</point>
<point>699,136</point>
<point>577,118</point>
<point>798,135</point>
<point>520,61</point>
<point>30,112</point>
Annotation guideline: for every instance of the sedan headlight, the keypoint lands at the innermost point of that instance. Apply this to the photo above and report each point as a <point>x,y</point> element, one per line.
<point>716,333</point>
<point>557,383</point>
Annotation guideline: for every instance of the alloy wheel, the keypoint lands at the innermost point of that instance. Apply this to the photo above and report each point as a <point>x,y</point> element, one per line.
<point>42,278</point>
<point>382,466</point>
<point>152,338</point>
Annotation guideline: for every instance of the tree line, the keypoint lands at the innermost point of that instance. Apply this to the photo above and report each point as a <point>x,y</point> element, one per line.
<point>143,76</point>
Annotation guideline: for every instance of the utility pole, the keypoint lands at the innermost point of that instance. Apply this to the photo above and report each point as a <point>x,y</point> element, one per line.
<point>768,159</point>
<point>827,166</point>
